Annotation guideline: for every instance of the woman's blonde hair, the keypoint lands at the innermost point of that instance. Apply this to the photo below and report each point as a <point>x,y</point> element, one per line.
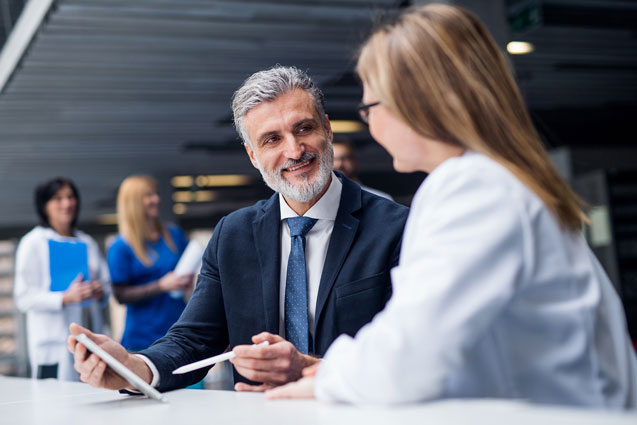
<point>438,69</point>
<point>131,216</point>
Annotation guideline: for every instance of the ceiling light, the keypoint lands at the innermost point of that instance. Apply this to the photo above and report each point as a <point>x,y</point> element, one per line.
<point>179,209</point>
<point>204,196</point>
<point>181,181</point>
<point>185,196</point>
<point>107,218</point>
<point>340,126</point>
<point>182,196</point>
<point>519,47</point>
<point>221,180</point>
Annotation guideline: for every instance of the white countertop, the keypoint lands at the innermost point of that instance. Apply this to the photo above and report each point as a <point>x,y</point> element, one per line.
<point>51,402</point>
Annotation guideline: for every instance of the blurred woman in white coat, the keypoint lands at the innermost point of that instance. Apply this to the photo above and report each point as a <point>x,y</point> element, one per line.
<point>497,293</point>
<point>50,309</point>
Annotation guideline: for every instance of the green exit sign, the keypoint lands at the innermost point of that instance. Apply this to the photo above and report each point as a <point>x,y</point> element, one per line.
<point>525,16</point>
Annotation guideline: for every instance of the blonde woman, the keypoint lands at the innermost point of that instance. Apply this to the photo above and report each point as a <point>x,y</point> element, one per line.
<point>496,293</point>
<point>141,260</point>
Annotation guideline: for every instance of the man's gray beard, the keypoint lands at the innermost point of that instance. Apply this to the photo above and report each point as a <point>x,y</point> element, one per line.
<point>307,190</point>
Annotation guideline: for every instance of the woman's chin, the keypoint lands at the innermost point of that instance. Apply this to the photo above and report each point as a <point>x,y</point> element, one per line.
<point>402,167</point>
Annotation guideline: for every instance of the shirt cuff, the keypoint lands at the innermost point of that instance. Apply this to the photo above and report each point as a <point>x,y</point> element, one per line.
<point>155,381</point>
<point>56,301</point>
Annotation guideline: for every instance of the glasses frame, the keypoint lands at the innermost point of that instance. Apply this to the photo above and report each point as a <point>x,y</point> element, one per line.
<point>363,110</point>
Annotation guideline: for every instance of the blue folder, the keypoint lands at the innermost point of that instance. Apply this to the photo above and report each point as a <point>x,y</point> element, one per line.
<point>66,260</point>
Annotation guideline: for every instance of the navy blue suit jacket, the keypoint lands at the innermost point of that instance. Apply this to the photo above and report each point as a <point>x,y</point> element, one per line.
<point>237,293</point>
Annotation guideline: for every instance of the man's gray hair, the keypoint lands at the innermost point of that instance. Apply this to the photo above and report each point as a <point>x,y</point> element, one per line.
<point>268,85</point>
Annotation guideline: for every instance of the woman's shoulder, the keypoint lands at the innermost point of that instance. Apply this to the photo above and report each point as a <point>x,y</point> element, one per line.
<point>474,182</point>
<point>175,231</point>
<point>172,227</point>
<point>38,233</point>
<point>476,172</point>
<point>35,235</point>
<point>470,165</point>
<point>178,235</point>
<point>84,237</point>
<point>119,243</point>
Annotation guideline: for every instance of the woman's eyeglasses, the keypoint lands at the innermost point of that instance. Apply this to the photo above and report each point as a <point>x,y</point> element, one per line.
<point>363,110</point>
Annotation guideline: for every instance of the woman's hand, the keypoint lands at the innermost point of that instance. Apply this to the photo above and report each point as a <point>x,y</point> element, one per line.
<point>77,291</point>
<point>173,282</point>
<point>303,388</point>
<point>98,290</point>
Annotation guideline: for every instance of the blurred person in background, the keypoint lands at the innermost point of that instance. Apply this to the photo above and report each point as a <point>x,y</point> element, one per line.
<point>496,294</point>
<point>141,260</point>
<point>346,161</point>
<point>50,309</point>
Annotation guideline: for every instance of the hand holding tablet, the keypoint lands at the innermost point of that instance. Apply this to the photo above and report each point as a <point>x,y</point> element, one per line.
<point>122,370</point>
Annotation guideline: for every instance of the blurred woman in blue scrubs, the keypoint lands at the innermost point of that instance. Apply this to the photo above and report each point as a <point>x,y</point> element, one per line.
<point>497,293</point>
<point>141,261</point>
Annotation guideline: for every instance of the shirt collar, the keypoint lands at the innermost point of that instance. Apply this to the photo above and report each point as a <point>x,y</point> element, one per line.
<point>325,208</point>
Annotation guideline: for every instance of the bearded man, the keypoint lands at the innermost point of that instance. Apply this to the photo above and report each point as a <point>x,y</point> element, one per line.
<point>296,270</point>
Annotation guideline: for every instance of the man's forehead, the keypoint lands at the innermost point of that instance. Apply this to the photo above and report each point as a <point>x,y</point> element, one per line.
<point>288,108</point>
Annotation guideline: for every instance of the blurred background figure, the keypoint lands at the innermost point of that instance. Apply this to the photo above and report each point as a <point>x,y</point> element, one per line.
<point>60,277</point>
<point>346,161</point>
<point>141,260</point>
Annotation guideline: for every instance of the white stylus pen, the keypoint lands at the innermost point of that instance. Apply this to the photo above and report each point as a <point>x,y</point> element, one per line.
<point>209,361</point>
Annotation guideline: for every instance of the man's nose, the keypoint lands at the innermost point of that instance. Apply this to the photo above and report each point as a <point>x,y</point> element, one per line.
<point>294,148</point>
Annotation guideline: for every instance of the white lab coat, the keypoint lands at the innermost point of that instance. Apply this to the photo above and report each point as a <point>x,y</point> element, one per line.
<point>47,319</point>
<point>491,299</point>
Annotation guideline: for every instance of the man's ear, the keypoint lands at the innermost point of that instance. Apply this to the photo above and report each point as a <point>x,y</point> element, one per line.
<point>251,155</point>
<point>328,127</point>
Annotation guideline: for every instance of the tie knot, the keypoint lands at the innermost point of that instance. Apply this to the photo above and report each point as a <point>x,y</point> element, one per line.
<point>299,226</point>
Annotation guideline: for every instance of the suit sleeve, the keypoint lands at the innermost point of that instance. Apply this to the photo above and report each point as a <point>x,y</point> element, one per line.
<point>462,258</point>
<point>200,332</point>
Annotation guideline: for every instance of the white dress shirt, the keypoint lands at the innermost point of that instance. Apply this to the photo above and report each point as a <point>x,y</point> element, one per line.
<point>316,243</point>
<point>492,298</point>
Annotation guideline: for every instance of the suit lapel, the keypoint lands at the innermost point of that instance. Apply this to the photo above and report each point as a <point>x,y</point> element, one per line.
<point>345,227</point>
<point>267,238</point>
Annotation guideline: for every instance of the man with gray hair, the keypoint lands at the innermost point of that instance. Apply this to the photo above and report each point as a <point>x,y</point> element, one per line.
<point>295,271</point>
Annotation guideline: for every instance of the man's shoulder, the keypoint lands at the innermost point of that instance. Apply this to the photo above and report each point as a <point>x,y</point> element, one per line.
<point>377,206</point>
<point>247,215</point>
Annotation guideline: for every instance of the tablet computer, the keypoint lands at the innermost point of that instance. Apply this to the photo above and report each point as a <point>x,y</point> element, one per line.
<point>122,370</point>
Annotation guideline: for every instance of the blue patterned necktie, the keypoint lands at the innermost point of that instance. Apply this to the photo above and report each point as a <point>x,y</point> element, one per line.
<point>296,318</point>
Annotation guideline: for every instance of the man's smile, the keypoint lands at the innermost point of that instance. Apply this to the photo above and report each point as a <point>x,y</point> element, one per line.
<point>299,166</point>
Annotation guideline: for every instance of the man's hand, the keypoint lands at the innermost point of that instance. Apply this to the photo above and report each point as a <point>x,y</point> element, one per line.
<point>275,364</point>
<point>94,371</point>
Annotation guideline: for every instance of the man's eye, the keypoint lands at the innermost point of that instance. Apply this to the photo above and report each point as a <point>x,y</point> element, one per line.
<point>305,129</point>
<point>270,140</point>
